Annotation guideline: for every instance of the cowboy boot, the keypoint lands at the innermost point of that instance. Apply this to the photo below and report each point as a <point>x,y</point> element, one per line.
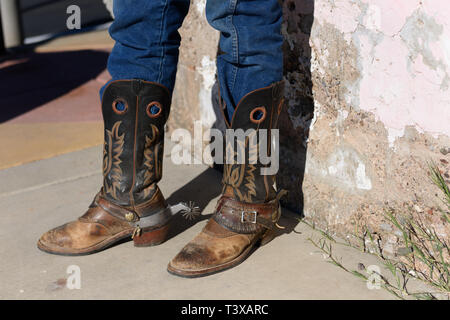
<point>129,204</point>
<point>248,209</point>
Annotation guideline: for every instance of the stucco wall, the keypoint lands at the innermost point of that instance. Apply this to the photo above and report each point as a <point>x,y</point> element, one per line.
<point>196,71</point>
<point>368,87</point>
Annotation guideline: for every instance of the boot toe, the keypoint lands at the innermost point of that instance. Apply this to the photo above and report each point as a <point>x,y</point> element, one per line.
<point>193,257</point>
<point>56,239</point>
<point>207,254</point>
<point>73,238</point>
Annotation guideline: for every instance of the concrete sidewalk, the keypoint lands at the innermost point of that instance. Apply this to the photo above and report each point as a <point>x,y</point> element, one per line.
<point>40,195</point>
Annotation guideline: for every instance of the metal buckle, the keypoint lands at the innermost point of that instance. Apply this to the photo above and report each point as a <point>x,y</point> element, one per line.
<point>255,213</point>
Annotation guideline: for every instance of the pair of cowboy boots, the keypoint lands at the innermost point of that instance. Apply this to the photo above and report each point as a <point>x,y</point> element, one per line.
<point>130,204</point>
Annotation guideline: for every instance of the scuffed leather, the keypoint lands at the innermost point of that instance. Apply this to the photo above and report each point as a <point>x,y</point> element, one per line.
<point>90,230</point>
<point>95,226</point>
<point>213,247</point>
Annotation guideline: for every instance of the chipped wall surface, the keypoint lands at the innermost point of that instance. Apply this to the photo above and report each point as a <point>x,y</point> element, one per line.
<point>369,101</point>
<point>367,90</point>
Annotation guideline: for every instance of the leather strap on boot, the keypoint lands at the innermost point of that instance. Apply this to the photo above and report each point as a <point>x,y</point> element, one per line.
<point>248,218</point>
<point>109,214</point>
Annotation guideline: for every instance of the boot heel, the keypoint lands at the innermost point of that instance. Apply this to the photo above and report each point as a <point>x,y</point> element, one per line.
<point>151,237</point>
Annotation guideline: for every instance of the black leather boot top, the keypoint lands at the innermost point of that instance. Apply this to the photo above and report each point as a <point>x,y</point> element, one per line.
<point>134,114</point>
<point>257,110</point>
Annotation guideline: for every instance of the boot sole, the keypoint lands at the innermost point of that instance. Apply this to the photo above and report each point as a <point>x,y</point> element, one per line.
<point>147,238</point>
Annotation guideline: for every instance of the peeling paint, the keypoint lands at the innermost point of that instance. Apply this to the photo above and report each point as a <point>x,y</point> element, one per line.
<point>405,75</point>
<point>394,134</point>
<point>343,168</point>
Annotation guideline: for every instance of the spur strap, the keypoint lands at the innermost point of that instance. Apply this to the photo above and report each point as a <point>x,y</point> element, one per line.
<point>159,217</point>
<point>247,218</point>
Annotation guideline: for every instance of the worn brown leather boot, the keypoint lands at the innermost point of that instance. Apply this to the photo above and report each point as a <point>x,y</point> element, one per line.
<point>130,203</point>
<point>248,209</point>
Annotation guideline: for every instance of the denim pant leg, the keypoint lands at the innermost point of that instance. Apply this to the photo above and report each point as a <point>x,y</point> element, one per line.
<point>147,40</point>
<point>250,46</point>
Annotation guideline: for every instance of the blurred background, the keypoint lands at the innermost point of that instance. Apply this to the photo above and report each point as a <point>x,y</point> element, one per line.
<point>50,77</point>
<point>43,19</point>
<point>40,20</point>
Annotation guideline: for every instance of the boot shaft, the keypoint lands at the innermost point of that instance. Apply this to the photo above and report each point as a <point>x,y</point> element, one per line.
<point>134,114</point>
<point>259,110</point>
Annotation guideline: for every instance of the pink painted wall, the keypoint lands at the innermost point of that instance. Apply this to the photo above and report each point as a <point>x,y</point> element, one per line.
<point>403,58</point>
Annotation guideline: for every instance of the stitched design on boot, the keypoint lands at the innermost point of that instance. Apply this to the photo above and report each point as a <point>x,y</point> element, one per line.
<point>112,151</point>
<point>151,155</point>
<point>237,174</point>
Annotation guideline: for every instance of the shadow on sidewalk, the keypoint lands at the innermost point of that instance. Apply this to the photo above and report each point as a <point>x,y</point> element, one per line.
<point>33,79</point>
<point>201,190</point>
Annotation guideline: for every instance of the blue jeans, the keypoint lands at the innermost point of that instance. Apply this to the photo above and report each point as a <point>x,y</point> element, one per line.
<point>147,42</point>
